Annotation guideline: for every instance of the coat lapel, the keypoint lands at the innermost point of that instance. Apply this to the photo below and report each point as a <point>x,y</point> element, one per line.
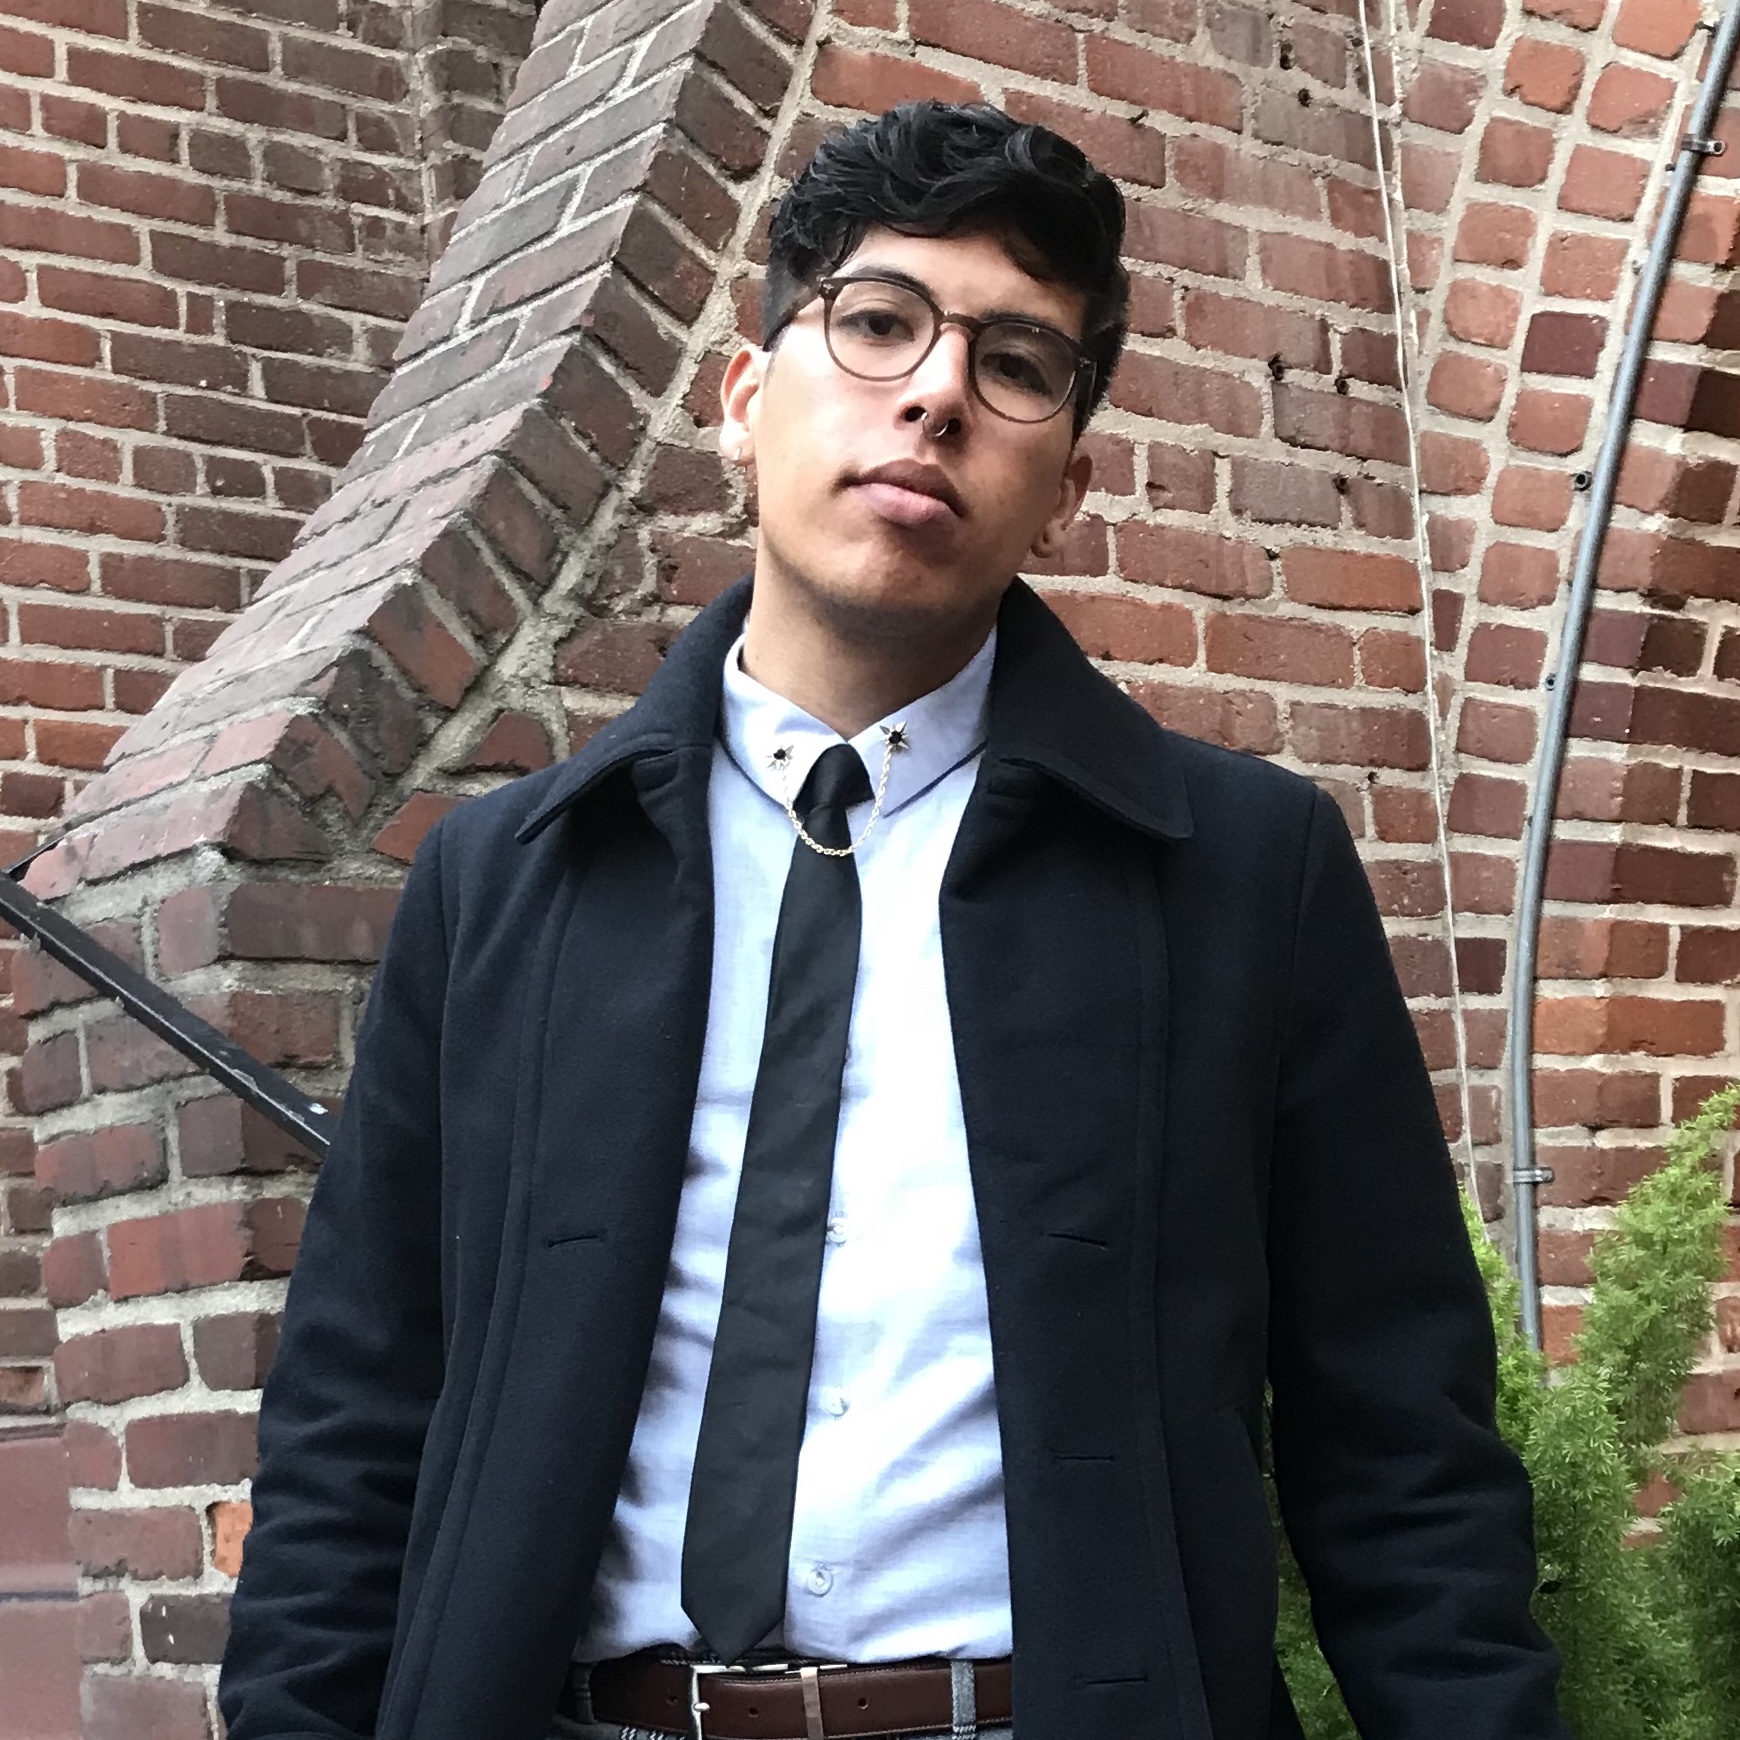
<point>609,1062</point>
<point>1055,958</point>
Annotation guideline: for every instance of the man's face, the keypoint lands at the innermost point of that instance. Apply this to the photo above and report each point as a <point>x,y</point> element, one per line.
<point>902,509</point>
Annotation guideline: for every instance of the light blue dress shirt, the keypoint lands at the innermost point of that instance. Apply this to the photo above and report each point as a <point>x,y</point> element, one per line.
<point>899,1545</point>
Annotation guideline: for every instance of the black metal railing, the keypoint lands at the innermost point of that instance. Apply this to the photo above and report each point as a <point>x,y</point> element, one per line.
<point>298,1115</point>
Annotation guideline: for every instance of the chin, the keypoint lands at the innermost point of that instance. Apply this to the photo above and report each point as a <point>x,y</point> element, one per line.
<point>880,589</point>
<point>902,602</point>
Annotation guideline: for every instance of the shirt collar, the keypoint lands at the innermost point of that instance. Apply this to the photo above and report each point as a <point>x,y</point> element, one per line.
<point>942,730</point>
<point>1051,712</point>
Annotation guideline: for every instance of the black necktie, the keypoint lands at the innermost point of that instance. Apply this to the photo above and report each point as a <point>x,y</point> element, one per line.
<point>737,1541</point>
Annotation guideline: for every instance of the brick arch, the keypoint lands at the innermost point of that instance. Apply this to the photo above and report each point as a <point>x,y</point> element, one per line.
<point>1544,132</point>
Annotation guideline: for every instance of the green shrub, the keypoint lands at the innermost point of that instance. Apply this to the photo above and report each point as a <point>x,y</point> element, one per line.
<point>1650,1633</point>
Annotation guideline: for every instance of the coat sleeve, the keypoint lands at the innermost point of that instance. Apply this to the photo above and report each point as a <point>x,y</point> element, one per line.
<point>1410,1517</point>
<point>358,1369</point>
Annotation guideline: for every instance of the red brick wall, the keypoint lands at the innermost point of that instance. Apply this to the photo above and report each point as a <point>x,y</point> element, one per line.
<point>214,221</point>
<point>1285,551</point>
<point>1544,145</point>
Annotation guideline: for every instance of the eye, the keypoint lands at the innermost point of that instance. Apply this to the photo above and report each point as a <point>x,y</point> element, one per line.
<point>882,323</point>
<point>1023,361</point>
<point>869,315</point>
<point>874,320</point>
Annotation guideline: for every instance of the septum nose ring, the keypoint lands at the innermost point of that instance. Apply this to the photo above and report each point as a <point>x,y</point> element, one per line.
<point>947,426</point>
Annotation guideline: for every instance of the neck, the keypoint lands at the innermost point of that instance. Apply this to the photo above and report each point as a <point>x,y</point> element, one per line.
<point>850,680</point>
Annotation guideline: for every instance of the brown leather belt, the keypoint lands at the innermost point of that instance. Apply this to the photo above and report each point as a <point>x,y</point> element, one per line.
<point>799,1703</point>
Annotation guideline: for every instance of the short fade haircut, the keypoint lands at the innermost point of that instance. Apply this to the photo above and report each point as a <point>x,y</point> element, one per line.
<point>944,169</point>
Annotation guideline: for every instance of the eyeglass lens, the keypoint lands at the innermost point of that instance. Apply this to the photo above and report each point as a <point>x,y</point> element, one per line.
<point>880,331</point>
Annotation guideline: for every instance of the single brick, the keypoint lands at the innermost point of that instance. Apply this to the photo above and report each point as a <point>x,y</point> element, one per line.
<point>1515,153</point>
<point>147,1544</point>
<point>1466,386</point>
<point>1127,630</point>
<point>1531,496</point>
<point>1392,659</point>
<point>1176,87</point>
<point>1279,649</point>
<point>1326,273</point>
<point>104,1624</point>
<point>1472,23</point>
<point>1603,184</point>
<point>1585,268</point>
<point>871,83</point>
<point>1545,75</point>
<point>1483,804</point>
<point>102,1162</point>
<point>1442,96</point>
<point>1180,477</point>
<point>1495,235</point>
<point>230,1521</point>
<point>1233,718</point>
<point>410,826</point>
<point>1658,27</point>
<point>1629,101</point>
<point>1708,957</point>
<point>115,1365</point>
<point>1547,422</point>
<point>1349,580</point>
<point>1275,492</point>
<point>73,1269</point>
<point>191,1450</point>
<point>1493,731</point>
<point>184,1628</point>
<point>1480,312</point>
<point>1451,464</point>
<point>1335,735</point>
<point>1179,393</point>
<point>1518,574</point>
<point>1202,562</point>
<point>234,1351</point>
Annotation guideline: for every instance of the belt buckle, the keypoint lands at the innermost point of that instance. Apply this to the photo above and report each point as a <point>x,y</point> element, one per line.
<point>698,1706</point>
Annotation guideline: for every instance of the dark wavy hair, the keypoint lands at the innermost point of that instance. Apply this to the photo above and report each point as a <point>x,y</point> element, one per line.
<point>943,169</point>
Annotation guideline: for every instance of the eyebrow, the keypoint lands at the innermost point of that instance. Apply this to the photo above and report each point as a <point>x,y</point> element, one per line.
<point>894,275</point>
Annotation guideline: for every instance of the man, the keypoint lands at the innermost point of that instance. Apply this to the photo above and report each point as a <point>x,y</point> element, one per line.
<point>832,1168</point>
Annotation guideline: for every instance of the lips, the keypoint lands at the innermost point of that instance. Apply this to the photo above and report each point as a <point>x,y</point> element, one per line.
<point>908,493</point>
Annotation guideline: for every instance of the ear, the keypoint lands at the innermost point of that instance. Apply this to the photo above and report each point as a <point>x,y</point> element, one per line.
<point>1072,486</point>
<point>739,393</point>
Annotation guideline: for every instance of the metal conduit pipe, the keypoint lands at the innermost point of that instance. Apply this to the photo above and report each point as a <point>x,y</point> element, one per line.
<point>1526,1176</point>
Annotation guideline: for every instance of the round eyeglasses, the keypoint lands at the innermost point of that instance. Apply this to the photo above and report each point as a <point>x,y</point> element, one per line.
<point>881,329</point>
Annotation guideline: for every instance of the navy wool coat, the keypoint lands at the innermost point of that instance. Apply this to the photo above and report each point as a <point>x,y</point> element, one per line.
<point>1205,1157</point>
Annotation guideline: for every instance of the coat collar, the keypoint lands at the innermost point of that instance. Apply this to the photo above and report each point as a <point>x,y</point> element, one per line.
<point>1050,710</point>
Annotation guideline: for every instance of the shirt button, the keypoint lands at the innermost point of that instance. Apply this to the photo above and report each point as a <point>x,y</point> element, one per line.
<point>834,1402</point>
<point>837,1231</point>
<point>818,1579</point>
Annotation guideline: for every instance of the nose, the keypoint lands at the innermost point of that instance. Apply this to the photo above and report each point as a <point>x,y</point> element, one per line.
<point>938,391</point>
